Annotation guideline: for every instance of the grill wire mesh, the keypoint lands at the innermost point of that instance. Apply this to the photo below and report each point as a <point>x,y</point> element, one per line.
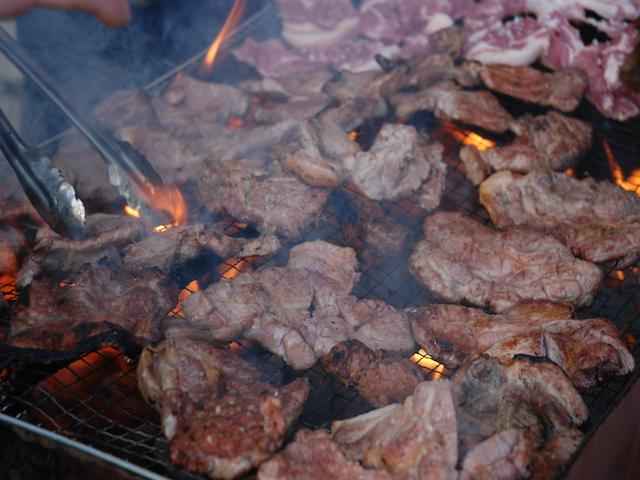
<point>95,400</point>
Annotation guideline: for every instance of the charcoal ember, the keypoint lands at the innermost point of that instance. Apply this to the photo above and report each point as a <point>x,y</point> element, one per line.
<point>95,295</point>
<point>188,106</point>
<point>300,311</point>
<point>314,150</point>
<point>313,455</point>
<point>125,108</point>
<point>379,377</point>
<point>597,220</point>
<point>588,351</point>
<point>546,142</point>
<point>453,333</point>
<point>400,163</point>
<point>448,102</point>
<point>106,235</point>
<point>461,259</point>
<point>220,418</point>
<point>530,405</point>
<point>562,89</point>
<point>415,439</point>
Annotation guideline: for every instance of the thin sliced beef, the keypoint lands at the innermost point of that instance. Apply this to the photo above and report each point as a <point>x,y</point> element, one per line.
<point>453,333</point>
<point>546,142</point>
<point>597,220</point>
<point>413,440</point>
<point>379,377</point>
<point>503,456</point>
<point>399,164</point>
<point>449,102</point>
<point>315,456</point>
<point>461,259</point>
<point>302,310</point>
<point>221,420</point>
<point>563,89</point>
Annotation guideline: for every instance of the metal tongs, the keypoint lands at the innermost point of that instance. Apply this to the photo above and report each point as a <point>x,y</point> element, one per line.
<point>54,199</point>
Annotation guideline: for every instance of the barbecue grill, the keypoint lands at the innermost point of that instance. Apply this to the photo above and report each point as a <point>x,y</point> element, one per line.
<point>87,401</point>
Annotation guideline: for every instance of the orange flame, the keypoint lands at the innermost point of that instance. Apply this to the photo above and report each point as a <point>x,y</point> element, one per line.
<point>353,135</point>
<point>234,266</point>
<point>166,199</point>
<point>185,293</point>
<point>426,361</point>
<point>570,172</point>
<point>468,137</point>
<point>230,23</point>
<point>630,184</point>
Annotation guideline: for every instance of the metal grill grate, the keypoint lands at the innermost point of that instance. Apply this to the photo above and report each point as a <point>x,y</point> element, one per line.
<point>95,399</point>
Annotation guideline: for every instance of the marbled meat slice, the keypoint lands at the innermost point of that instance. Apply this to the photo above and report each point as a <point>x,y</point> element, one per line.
<point>380,378</point>
<point>462,260</point>
<point>221,420</point>
<point>552,141</point>
<point>562,89</point>
<point>315,456</point>
<point>414,440</point>
<point>400,163</point>
<point>598,221</point>
<point>503,456</point>
<point>449,102</point>
<point>135,302</point>
<point>453,333</point>
<point>302,310</point>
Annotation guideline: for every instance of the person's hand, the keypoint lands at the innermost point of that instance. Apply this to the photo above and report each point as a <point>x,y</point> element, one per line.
<point>113,13</point>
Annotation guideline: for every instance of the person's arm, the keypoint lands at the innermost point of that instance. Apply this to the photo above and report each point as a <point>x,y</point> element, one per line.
<point>113,13</point>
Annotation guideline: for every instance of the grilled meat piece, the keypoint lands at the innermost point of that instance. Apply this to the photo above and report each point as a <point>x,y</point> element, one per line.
<point>586,350</point>
<point>532,397</point>
<point>399,164</point>
<point>449,102</point>
<point>315,456</point>
<point>597,220</point>
<point>453,333</point>
<point>380,378</point>
<point>254,190</point>
<point>551,141</point>
<point>302,310</point>
<point>503,456</point>
<point>54,255</point>
<point>415,439</point>
<point>183,372</point>
<point>125,108</point>
<point>188,107</point>
<point>176,247</point>
<point>461,259</point>
<point>135,302</point>
<point>562,89</point>
<point>221,420</point>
